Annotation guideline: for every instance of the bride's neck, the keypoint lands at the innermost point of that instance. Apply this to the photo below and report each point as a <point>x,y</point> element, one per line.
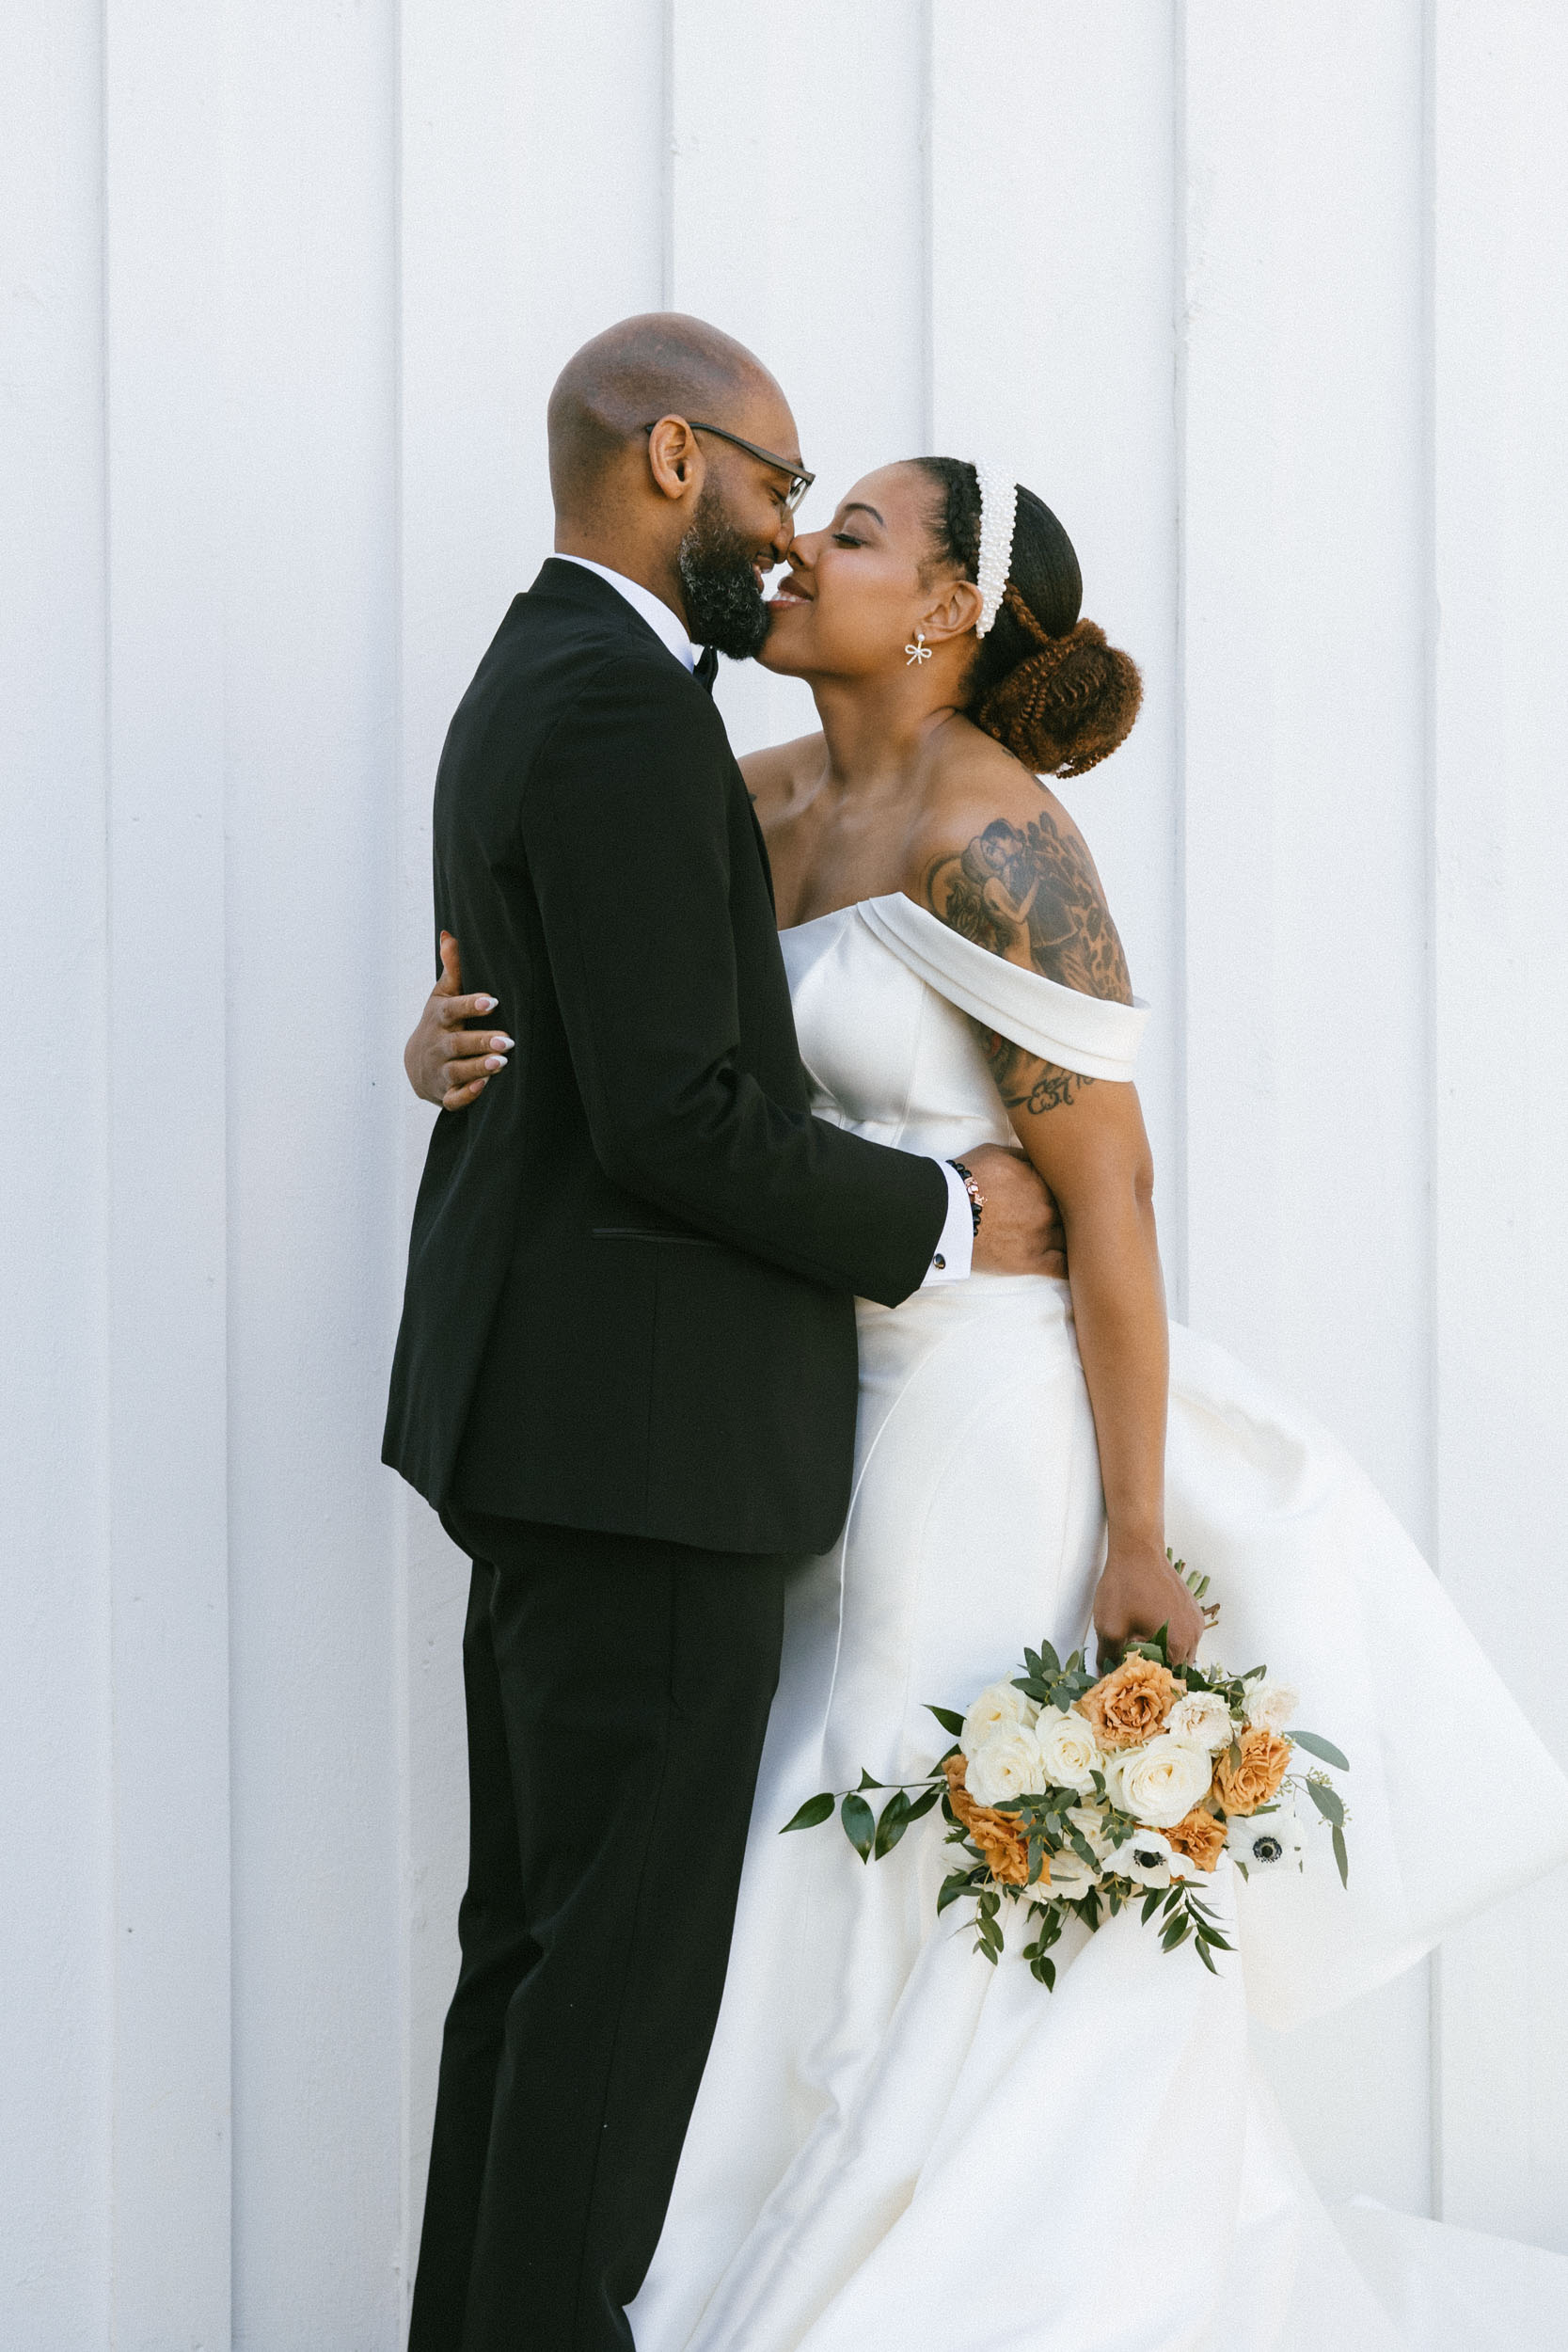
<point>877,729</point>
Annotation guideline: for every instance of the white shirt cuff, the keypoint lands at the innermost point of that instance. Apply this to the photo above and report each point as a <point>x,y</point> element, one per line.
<point>954,1251</point>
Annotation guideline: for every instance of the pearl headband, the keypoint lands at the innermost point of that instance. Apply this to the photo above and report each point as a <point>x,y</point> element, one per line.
<point>998,518</point>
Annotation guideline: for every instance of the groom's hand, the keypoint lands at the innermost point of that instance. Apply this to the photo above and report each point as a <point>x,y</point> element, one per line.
<point>446,1063</point>
<point>1021,1231</point>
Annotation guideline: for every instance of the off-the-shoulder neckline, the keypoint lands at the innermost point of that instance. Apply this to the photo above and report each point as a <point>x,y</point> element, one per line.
<point>901,899</point>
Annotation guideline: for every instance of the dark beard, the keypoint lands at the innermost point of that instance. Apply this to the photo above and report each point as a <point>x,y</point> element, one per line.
<point>724,605</point>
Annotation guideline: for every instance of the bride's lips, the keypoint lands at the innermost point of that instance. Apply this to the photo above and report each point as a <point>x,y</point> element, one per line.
<point>785,594</point>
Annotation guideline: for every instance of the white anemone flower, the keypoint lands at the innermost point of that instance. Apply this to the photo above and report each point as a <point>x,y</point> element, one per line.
<point>1261,1842</point>
<point>1146,1858</point>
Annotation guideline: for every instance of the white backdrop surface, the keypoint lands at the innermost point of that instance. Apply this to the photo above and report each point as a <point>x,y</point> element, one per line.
<point>1269,303</point>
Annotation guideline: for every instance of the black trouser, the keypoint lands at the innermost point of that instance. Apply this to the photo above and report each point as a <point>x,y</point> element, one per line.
<point>618,1691</point>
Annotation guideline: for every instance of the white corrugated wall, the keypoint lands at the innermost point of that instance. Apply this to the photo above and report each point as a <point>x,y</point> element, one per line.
<point>1269,303</point>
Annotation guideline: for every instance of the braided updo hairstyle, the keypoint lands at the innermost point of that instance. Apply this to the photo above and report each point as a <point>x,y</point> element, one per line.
<point>1044,683</point>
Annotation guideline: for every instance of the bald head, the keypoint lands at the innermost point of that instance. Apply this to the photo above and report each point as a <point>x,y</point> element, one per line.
<point>660,364</point>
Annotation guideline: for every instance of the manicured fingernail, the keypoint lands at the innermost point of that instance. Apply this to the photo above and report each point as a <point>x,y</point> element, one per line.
<point>501,1045</point>
<point>494,1061</point>
<point>487,1004</point>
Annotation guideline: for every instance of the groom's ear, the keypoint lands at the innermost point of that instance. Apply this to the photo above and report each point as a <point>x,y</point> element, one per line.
<point>675,459</point>
<point>953,614</point>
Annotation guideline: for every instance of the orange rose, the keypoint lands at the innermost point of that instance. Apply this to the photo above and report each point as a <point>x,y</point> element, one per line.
<point>1242,1787</point>
<point>1200,1837</point>
<point>1130,1704</point>
<point>997,1835</point>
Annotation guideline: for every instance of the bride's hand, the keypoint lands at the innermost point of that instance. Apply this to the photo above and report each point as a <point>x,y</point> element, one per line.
<point>447,1064</point>
<point>1138,1592</point>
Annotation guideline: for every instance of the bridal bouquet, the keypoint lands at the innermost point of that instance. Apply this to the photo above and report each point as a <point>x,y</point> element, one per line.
<point>1076,1795</point>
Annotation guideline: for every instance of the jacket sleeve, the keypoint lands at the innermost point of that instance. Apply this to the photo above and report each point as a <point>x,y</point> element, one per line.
<point>625,831</point>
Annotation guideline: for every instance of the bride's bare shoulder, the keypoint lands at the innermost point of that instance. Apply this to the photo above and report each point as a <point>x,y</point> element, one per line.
<point>998,857</point>
<point>783,777</point>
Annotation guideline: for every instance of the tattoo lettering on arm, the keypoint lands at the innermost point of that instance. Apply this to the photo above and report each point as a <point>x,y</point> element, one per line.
<point>1032,896</point>
<point>1024,1081</point>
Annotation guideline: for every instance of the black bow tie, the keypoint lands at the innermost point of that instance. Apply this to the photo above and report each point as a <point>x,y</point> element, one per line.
<point>707,667</point>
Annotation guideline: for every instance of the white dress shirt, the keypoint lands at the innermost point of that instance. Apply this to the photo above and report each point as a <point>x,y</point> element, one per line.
<point>954,1256</point>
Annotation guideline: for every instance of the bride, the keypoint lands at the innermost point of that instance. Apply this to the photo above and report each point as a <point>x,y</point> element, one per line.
<point>896,2148</point>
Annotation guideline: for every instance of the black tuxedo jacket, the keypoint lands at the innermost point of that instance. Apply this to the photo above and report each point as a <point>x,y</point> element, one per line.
<point>630,1301</point>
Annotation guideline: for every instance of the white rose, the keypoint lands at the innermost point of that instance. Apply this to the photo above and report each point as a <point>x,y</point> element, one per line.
<point>1071,1879</point>
<point>1006,1765</point>
<point>1261,1842</point>
<point>998,1708</point>
<point>1201,1720</point>
<point>1146,1858</point>
<point>1069,1750</point>
<point>1159,1782</point>
<point>1271,1707</point>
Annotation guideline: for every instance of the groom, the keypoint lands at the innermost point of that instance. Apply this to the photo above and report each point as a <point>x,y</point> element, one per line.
<point>627,1373</point>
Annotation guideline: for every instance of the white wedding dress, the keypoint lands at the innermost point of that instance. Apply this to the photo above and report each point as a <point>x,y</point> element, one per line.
<point>899,2148</point>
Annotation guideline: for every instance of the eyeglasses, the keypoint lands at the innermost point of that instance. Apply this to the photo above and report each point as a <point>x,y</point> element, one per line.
<point>799,483</point>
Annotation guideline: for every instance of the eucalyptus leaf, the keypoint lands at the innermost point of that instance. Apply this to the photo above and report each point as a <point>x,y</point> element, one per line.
<point>1324,1748</point>
<point>1340,1856</point>
<point>813,1813</point>
<point>1328,1801</point>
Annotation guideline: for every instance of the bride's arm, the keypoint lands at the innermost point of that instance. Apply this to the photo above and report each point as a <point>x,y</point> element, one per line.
<point>1086,1138</point>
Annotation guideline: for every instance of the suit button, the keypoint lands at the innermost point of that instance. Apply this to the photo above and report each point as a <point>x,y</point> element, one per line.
<point>940,1263</point>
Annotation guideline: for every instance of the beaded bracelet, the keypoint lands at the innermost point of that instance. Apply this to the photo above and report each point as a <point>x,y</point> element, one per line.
<point>976,1197</point>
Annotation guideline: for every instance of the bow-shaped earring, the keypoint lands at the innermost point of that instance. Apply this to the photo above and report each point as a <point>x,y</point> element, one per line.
<point>919,651</point>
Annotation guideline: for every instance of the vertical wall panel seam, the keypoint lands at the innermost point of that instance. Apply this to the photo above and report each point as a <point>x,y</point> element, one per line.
<point>403,1692</point>
<point>926,35</point>
<point>166,2156</point>
<point>667,157</point>
<point>1179,1245</point>
<point>106,1172</point>
<point>1429,749</point>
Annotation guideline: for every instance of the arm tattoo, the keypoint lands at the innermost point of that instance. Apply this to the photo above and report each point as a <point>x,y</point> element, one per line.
<point>1024,1081</point>
<point>1031,897</point>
